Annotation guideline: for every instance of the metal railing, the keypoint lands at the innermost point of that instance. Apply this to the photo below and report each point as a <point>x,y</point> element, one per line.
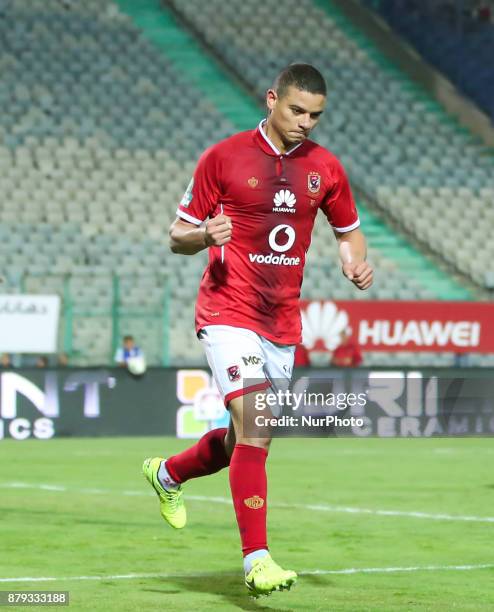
<point>120,317</point>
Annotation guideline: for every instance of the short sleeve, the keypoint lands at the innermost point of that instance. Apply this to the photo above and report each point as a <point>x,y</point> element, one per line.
<point>338,204</point>
<point>119,356</point>
<point>203,193</point>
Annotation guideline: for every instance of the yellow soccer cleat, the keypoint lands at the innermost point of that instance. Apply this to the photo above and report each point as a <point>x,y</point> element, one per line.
<point>267,576</point>
<point>172,505</point>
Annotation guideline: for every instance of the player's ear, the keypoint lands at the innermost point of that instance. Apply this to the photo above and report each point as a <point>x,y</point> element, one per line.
<point>271,98</point>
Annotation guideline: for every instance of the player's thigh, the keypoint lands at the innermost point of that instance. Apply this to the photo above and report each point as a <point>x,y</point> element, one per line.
<point>230,438</point>
<point>278,369</point>
<point>236,358</point>
<point>279,362</point>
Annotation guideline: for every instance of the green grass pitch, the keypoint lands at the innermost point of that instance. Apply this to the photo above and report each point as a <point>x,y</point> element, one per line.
<point>78,508</point>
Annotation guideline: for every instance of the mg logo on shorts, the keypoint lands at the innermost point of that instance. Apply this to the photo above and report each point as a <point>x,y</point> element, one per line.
<point>252,360</point>
<point>254,503</point>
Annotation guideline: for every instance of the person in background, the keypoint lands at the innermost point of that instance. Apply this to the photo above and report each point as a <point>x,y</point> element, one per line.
<point>6,362</point>
<point>62,360</point>
<point>461,360</point>
<point>127,351</point>
<point>42,361</point>
<point>347,354</point>
<point>302,358</point>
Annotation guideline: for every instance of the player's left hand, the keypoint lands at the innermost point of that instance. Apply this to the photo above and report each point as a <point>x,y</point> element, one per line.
<point>361,274</point>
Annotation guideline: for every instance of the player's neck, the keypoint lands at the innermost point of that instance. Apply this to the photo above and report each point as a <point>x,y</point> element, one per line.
<point>274,137</point>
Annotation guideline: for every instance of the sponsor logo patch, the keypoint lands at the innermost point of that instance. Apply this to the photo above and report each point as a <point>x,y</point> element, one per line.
<point>255,502</point>
<point>284,234</point>
<point>187,197</point>
<point>284,201</point>
<point>314,182</point>
<point>252,360</point>
<point>233,373</point>
<point>276,260</point>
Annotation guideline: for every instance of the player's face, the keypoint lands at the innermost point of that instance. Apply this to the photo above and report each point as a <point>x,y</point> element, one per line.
<point>294,115</point>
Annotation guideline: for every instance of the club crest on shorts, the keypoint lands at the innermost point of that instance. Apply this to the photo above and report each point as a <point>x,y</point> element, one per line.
<point>233,373</point>
<point>314,182</point>
<point>254,503</point>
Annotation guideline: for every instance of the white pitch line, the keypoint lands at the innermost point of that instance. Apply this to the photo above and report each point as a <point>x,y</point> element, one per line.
<point>382,570</point>
<point>228,502</point>
<point>316,572</point>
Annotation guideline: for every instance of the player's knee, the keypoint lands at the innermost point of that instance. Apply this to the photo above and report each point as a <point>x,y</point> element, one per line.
<point>259,442</point>
<point>230,441</point>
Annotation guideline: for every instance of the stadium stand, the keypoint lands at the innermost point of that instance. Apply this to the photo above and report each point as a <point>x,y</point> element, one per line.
<point>96,149</point>
<point>94,160</point>
<point>457,38</point>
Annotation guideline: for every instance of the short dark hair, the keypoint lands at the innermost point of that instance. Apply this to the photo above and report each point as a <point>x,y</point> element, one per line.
<point>128,338</point>
<point>302,76</point>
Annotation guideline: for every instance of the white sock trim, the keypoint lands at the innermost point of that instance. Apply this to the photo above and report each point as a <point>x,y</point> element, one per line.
<point>248,559</point>
<point>164,477</point>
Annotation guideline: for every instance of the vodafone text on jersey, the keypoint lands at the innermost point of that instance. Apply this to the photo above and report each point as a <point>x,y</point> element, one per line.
<point>279,260</point>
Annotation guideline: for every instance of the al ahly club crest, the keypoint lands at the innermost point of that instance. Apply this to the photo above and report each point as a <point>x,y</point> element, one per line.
<point>314,182</point>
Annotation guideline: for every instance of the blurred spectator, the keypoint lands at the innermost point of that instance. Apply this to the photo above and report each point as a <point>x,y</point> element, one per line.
<point>347,354</point>
<point>484,12</point>
<point>63,360</point>
<point>42,361</point>
<point>6,361</point>
<point>130,356</point>
<point>302,359</point>
<point>461,360</point>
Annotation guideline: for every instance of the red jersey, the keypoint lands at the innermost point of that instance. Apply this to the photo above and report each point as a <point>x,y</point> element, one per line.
<point>272,199</point>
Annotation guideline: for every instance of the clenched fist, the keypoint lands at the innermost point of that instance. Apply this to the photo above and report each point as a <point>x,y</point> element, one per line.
<point>359,273</point>
<point>218,231</point>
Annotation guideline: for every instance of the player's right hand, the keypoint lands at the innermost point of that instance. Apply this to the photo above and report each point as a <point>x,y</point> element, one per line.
<point>218,231</point>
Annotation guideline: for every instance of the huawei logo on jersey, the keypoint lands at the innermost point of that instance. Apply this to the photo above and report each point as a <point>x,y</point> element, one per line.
<point>284,201</point>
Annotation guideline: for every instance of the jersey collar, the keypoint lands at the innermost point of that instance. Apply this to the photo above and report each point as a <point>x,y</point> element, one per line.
<point>266,145</point>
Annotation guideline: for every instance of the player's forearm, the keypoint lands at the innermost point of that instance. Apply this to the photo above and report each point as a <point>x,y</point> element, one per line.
<point>187,241</point>
<point>352,247</point>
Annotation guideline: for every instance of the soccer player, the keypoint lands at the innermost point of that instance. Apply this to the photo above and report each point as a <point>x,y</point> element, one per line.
<point>252,202</point>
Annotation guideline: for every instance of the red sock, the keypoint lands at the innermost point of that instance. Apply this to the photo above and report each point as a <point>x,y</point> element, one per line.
<point>206,457</point>
<point>249,491</point>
